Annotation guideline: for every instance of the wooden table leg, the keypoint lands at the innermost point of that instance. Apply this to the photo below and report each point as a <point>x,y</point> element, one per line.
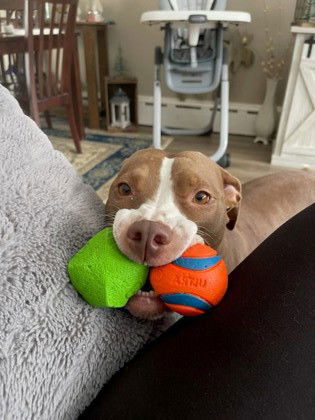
<point>77,93</point>
<point>103,68</point>
<point>91,78</point>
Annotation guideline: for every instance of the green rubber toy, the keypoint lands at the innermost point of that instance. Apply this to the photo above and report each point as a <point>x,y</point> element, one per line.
<point>103,275</point>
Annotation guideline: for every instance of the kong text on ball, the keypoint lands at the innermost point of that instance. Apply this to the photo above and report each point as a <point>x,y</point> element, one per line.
<point>192,284</point>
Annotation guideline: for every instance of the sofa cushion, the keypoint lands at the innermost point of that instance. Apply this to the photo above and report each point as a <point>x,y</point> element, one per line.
<point>55,350</point>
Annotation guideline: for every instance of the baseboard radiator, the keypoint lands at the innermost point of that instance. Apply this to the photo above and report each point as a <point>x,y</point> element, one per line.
<point>193,114</point>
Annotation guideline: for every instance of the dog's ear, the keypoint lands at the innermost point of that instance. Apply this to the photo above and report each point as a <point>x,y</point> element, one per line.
<point>232,194</point>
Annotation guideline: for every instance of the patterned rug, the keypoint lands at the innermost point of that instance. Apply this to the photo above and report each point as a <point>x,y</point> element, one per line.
<point>103,154</point>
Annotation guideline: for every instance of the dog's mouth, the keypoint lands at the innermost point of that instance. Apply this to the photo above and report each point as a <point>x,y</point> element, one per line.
<point>146,303</point>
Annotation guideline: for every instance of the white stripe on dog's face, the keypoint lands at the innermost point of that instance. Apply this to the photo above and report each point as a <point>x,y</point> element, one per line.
<point>163,209</point>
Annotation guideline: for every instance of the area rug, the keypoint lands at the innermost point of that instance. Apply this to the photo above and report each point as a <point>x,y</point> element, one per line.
<point>103,154</point>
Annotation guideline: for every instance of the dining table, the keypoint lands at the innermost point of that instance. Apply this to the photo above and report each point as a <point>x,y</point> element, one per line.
<point>15,42</point>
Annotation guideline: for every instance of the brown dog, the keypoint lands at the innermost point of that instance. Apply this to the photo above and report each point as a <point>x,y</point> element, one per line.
<point>160,204</point>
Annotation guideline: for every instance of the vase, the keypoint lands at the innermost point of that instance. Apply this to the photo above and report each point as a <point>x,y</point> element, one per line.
<point>266,119</point>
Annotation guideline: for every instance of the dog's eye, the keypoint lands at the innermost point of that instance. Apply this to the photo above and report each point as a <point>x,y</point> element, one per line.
<point>202,197</point>
<point>124,189</point>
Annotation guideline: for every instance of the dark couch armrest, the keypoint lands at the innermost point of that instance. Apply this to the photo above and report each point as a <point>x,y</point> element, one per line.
<point>252,357</point>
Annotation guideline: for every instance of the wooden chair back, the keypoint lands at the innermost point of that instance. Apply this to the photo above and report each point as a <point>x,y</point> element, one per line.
<point>50,31</point>
<point>12,66</point>
<point>50,59</point>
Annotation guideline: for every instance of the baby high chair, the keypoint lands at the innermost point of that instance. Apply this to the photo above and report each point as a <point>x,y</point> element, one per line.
<point>195,60</point>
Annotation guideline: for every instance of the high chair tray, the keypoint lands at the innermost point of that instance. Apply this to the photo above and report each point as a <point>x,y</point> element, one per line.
<point>168,16</point>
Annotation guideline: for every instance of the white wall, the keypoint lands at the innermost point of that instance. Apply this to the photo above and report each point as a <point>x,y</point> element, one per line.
<point>138,41</point>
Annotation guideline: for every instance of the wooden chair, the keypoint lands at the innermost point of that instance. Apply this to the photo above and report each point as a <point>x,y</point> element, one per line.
<point>12,66</point>
<point>50,57</point>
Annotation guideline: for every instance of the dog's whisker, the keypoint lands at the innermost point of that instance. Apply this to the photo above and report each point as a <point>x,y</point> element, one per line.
<point>110,216</point>
<point>203,232</point>
<point>207,240</point>
<point>112,213</point>
<point>208,235</point>
<point>115,207</point>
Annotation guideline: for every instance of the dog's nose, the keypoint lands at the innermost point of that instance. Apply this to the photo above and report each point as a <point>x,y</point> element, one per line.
<point>147,238</point>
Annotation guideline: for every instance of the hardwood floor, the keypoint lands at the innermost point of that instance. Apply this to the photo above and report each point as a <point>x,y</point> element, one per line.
<point>248,160</point>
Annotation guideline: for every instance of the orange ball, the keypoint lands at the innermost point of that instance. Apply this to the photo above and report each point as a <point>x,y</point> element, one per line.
<point>192,284</point>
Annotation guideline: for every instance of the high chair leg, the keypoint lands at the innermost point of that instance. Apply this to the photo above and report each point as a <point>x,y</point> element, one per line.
<point>224,122</point>
<point>157,108</point>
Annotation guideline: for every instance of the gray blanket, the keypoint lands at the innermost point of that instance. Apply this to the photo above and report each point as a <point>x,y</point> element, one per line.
<point>55,350</point>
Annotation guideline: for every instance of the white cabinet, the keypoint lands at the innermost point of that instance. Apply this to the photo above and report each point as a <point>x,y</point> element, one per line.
<point>295,143</point>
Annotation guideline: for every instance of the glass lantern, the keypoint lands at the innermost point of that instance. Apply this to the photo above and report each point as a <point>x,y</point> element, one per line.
<point>95,12</point>
<point>304,13</point>
<point>120,110</point>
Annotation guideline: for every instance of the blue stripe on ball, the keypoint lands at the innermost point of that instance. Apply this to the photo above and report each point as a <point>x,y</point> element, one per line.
<point>186,300</point>
<point>197,263</point>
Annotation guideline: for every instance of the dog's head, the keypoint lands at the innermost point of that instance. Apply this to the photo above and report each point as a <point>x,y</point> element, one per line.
<point>160,204</point>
